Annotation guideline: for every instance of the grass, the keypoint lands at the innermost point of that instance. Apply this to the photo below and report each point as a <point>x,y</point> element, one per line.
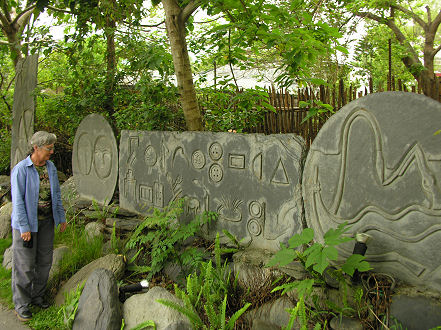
<point>83,250</point>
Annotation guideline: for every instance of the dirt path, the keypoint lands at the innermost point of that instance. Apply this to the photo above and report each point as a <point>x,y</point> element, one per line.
<point>9,321</point>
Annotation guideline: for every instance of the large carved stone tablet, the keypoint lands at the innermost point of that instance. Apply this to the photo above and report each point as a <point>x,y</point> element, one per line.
<point>377,165</point>
<point>23,107</point>
<point>251,181</point>
<point>95,159</point>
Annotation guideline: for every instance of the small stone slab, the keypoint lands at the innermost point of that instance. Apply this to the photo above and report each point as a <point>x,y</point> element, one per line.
<point>376,164</point>
<point>99,307</point>
<point>5,220</point>
<point>23,107</point>
<point>95,159</point>
<point>123,224</point>
<point>250,180</point>
<point>416,312</point>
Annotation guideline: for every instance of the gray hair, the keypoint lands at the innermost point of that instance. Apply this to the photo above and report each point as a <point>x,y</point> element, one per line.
<point>41,138</point>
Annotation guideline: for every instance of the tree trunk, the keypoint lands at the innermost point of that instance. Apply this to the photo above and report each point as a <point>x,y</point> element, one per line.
<point>109,32</point>
<point>176,34</point>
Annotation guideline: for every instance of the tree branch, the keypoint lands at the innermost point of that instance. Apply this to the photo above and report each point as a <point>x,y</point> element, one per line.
<point>59,10</point>
<point>436,50</point>
<point>414,16</point>
<point>189,9</point>
<point>435,23</point>
<point>26,11</point>
<point>144,25</point>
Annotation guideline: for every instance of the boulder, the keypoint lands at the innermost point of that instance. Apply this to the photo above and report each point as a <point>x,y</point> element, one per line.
<point>112,262</point>
<point>94,229</point>
<point>5,189</point>
<point>58,254</point>
<point>144,307</point>
<point>99,307</point>
<point>69,192</point>
<point>7,258</point>
<point>5,220</point>
<point>415,311</point>
<point>345,323</point>
<point>272,313</point>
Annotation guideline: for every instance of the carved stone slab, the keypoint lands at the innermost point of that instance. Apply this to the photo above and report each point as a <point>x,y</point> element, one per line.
<point>23,107</point>
<point>95,159</point>
<point>251,181</point>
<point>377,165</point>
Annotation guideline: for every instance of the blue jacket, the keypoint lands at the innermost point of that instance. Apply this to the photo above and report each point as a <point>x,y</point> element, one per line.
<point>25,187</point>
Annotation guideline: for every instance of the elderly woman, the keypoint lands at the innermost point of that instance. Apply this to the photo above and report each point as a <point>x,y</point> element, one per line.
<point>36,209</point>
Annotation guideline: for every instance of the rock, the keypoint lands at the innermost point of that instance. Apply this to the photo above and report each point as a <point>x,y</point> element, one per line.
<point>94,229</point>
<point>272,313</point>
<point>99,307</point>
<point>416,312</point>
<point>7,258</point>
<point>123,224</point>
<point>5,220</point>
<point>61,177</point>
<point>112,262</point>
<point>5,189</point>
<point>144,307</point>
<point>259,324</point>
<point>371,166</point>
<point>58,254</point>
<point>345,323</point>
<point>95,159</point>
<point>69,193</point>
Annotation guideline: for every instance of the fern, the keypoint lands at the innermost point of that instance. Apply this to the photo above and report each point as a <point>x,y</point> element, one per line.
<point>187,311</point>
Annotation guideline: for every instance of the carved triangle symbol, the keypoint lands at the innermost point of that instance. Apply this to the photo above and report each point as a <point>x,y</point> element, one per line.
<point>279,175</point>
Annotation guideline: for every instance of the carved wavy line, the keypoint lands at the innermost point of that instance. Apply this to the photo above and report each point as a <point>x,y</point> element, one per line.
<point>414,153</point>
<point>413,239</point>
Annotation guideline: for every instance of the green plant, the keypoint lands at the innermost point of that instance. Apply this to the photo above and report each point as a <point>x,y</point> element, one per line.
<point>163,234</point>
<point>48,319</point>
<point>5,274</point>
<point>102,212</point>
<point>205,296</point>
<point>316,109</point>
<point>69,309</point>
<point>145,324</point>
<point>316,257</point>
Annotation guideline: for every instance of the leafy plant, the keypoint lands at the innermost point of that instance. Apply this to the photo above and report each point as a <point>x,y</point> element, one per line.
<point>316,109</point>
<point>102,212</point>
<point>205,295</point>
<point>316,257</point>
<point>163,234</point>
<point>69,309</point>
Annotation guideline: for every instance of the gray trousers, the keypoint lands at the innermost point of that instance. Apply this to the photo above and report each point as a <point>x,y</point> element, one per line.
<point>31,266</point>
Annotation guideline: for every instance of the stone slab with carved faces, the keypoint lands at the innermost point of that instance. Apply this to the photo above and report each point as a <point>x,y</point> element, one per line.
<point>376,164</point>
<point>95,159</point>
<point>250,180</point>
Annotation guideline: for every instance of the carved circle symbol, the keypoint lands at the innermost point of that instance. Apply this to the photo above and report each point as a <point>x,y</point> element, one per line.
<point>198,159</point>
<point>254,227</point>
<point>150,156</point>
<point>215,151</point>
<point>255,209</point>
<point>216,173</point>
<point>102,157</point>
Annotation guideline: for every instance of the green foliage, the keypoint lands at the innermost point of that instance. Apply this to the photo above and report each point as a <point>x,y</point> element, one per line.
<point>205,296</point>
<point>144,325</point>
<point>5,275</point>
<point>316,257</point>
<point>69,309</point>
<point>102,212</point>
<point>163,234</point>
<point>5,150</point>
<point>316,109</point>
<point>48,319</point>
<point>227,108</point>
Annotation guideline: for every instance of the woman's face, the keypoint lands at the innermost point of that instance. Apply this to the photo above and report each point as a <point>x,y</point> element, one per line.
<point>44,153</point>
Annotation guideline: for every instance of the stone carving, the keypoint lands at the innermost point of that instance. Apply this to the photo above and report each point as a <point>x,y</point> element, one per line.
<point>150,156</point>
<point>198,159</point>
<point>376,165</point>
<point>95,160</point>
<point>23,108</point>
<point>249,180</point>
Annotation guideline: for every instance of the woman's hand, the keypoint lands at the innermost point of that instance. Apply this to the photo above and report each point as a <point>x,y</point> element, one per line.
<point>26,236</point>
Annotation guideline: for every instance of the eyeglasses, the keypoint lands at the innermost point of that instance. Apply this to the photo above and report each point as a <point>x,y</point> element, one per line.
<point>48,149</point>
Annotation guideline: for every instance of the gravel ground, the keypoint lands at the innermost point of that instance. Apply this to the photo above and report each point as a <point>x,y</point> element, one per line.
<point>9,321</point>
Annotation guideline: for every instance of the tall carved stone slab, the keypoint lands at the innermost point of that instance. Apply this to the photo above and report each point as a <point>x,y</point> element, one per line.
<point>23,107</point>
<point>377,165</point>
<point>95,159</point>
<point>251,181</point>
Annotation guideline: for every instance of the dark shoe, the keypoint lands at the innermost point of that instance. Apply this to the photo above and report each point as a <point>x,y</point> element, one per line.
<point>41,303</point>
<point>24,315</point>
